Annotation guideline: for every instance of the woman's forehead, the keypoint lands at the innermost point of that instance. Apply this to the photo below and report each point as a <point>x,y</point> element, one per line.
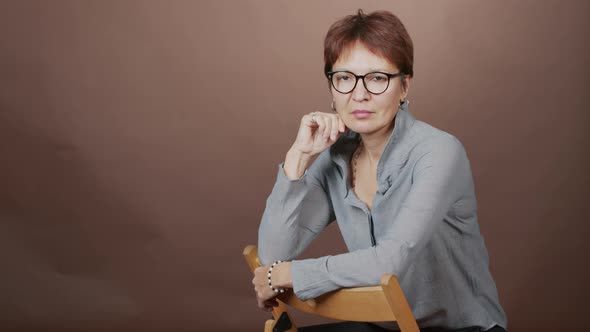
<point>357,57</point>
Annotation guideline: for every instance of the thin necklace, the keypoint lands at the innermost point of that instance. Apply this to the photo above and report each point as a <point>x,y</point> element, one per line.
<point>355,158</point>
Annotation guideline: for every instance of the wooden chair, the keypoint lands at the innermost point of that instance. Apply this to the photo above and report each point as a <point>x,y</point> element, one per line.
<point>362,304</point>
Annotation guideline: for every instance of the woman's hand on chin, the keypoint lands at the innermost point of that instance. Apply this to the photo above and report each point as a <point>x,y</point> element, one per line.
<point>317,132</point>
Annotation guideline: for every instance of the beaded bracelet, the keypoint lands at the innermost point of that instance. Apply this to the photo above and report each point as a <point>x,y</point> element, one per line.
<point>276,290</point>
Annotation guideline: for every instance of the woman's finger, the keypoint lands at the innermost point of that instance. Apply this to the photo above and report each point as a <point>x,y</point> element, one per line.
<point>341,125</point>
<point>335,127</point>
<point>328,128</point>
<point>310,119</point>
<point>270,304</point>
<point>321,126</point>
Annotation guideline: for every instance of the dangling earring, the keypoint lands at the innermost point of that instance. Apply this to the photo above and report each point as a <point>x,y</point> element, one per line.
<point>332,107</point>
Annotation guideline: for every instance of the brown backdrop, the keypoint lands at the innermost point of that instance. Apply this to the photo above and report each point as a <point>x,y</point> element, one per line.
<point>139,140</point>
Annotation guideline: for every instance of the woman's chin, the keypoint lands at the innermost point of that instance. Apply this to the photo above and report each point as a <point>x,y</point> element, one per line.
<point>361,128</point>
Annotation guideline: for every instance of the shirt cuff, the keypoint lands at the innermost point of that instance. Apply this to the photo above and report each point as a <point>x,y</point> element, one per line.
<point>285,187</point>
<point>310,278</point>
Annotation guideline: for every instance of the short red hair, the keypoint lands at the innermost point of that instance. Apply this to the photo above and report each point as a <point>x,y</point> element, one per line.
<point>381,32</point>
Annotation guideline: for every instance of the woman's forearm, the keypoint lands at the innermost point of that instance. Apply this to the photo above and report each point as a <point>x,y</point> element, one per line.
<point>282,275</point>
<point>295,212</point>
<point>296,163</point>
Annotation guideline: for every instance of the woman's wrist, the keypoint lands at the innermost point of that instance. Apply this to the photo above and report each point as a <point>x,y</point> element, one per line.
<point>296,162</point>
<point>281,275</point>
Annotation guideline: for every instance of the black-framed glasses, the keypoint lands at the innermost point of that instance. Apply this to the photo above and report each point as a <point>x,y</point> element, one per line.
<point>375,82</point>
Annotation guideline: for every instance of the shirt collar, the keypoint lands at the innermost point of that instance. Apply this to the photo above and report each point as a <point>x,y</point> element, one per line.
<point>342,150</point>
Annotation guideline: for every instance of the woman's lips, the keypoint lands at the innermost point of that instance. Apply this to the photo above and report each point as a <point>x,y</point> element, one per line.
<point>361,114</point>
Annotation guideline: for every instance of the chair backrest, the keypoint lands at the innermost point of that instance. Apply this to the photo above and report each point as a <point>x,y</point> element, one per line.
<point>386,302</point>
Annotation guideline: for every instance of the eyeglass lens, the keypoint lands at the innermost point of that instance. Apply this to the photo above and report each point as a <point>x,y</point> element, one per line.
<point>345,82</point>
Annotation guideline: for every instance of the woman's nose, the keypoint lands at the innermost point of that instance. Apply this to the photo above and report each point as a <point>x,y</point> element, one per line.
<point>360,92</point>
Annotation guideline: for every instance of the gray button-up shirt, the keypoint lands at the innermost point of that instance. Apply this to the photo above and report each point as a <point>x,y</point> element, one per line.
<point>422,226</point>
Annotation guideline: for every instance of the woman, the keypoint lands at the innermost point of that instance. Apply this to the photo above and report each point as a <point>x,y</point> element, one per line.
<point>400,190</point>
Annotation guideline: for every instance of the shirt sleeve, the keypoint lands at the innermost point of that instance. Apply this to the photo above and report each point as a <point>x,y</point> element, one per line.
<point>296,211</point>
<point>437,182</point>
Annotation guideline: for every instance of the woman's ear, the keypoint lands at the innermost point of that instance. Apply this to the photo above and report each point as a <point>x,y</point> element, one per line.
<point>405,87</point>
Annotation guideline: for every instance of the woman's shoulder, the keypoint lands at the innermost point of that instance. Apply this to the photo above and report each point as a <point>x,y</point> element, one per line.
<point>424,137</point>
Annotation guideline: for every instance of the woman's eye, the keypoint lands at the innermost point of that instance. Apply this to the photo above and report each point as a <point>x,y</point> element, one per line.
<point>378,78</point>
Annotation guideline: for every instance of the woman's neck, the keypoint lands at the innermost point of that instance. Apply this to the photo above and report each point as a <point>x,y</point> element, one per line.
<point>374,143</point>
